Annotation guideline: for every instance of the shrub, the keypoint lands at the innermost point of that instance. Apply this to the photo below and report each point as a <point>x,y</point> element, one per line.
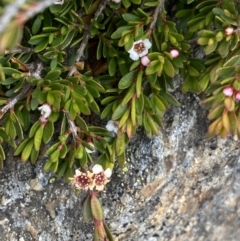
<point>71,63</point>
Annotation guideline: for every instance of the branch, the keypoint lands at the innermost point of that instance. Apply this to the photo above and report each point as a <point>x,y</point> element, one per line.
<point>14,100</point>
<point>86,36</point>
<point>72,127</point>
<point>38,7</point>
<point>12,10</point>
<point>19,96</point>
<point>19,50</point>
<point>156,13</point>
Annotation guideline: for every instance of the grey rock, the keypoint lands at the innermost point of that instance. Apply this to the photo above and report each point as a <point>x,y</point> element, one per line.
<point>175,186</point>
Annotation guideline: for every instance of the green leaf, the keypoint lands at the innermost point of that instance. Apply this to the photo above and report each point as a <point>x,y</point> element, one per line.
<point>52,75</point>
<point>34,155</point>
<point>235,60</point>
<point>229,5</point>
<point>48,132</point>
<point>86,209</point>
<point>36,24</point>
<point>168,68</point>
<point>225,72</point>
<point>203,41</point>
<point>120,144</point>
<point>21,147</point>
<point>130,17</point>
<point>119,111</point>
<point>108,232</point>
<point>118,33</point>
<point>34,128</point>
<point>27,151</point>
<point>128,95</point>
<point>107,111</point>
<point>81,123</point>
<point>68,39</point>
<point>61,170</point>
<point>127,80</point>
<point>169,98</point>
<point>112,65</point>
<point>41,46</point>
<point>184,13</point>
<point>96,208</point>
<point>223,48</point>
<point>38,138</point>
<point>210,48</point>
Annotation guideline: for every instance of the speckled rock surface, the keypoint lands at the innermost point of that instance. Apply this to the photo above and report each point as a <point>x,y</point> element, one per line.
<point>177,186</point>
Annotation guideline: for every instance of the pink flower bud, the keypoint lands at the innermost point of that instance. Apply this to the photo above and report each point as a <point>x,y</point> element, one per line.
<point>174,53</point>
<point>145,60</point>
<point>229,31</point>
<point>228,91</point>
<point>237,96</point>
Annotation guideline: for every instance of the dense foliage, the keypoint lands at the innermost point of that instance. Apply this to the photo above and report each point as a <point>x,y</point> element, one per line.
<point>76,62</point>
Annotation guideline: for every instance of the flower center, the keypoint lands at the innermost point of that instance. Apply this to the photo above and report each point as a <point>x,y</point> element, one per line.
<point>139,48</point>
<point>83,181</point>
<point>99,178</point>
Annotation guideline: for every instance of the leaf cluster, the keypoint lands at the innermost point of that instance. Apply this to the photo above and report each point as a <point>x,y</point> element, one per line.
<point>86,73</point>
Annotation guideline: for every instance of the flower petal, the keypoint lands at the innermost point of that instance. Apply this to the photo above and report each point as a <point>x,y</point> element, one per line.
<point>112,126</point>
<point>97,169</point>
<point>144,52</point>
<point>134,55</point>
<point>99,187</point>
<point>108,172</point>
<point>45,110</point>
<point>147,43</point>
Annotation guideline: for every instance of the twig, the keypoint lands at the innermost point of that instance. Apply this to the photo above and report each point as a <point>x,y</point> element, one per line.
<point>11,10</point>
<point>19,50</point>
<point>14,100</point>
<point>86,36</point>
<point>72,127</point>
<point>39,7</point>
<point>19,96</point>
<point>156,13</point>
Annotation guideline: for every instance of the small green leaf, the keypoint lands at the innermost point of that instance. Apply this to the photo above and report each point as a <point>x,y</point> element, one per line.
<point>36,24</point>
<point>127,80</point>
<point>118,112</point>
<point>21,147</point>
<point>27,151</point>
<point>118,33</point>
<point>112,66</point>
<point>38,138</point>
<point>52,75</point>
<point>120,144</point>
<point>48,132</point>
<point>41,46</point>
<point>86,209</point>
<point>96,208</point>
<point>34,128</point>
<point>168,68</point>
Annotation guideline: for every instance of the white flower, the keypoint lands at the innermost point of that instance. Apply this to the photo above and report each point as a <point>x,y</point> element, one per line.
<point>112,126</point>
<point>116,1</point>
<point>139,49</point>
<point>82,180</point>
<point>88,150</point>
<point>45,110</point>
<point>101,177</point>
